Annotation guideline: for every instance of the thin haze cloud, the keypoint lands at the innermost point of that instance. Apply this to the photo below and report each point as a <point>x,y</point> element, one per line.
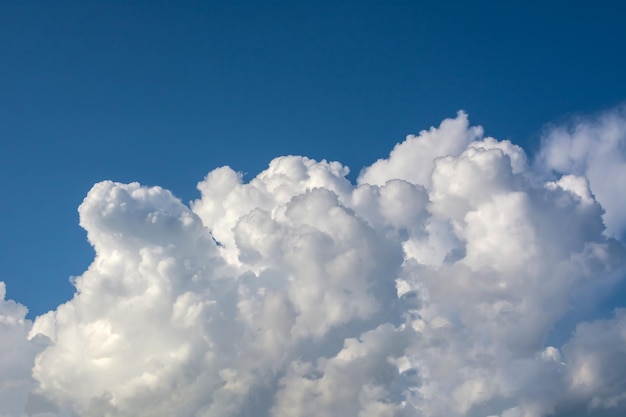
<point>428,288</point>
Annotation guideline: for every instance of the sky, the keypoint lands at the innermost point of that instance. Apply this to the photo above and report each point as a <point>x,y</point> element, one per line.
<point>400,209</point>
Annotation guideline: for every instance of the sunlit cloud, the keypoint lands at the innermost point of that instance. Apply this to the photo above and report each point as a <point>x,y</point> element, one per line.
<point>428,288</point>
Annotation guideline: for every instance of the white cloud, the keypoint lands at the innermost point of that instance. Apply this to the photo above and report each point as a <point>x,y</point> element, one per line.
<point>596,359</point>
<point>18,391</point>
<point>16,381</point>
<point>594,148</point>
<point>429,288</point>
<point>413,159</point>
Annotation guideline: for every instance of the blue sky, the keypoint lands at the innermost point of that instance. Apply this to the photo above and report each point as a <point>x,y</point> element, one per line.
<point>163,92</point>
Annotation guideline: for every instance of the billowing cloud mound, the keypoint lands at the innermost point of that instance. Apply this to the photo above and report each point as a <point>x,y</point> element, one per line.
<point>429,288</point>
<point>595,149</point>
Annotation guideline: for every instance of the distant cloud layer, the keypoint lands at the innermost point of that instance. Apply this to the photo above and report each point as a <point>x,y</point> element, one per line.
<point>429,288</point>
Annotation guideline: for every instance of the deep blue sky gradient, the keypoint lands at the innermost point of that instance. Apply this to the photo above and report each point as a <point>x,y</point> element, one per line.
<point>163,92</point>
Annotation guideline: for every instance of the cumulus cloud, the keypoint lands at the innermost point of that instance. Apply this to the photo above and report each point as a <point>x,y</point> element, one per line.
<point>428,288</point>
<point>591,357</point>
<point>596,149</point>
<point>16,356</point>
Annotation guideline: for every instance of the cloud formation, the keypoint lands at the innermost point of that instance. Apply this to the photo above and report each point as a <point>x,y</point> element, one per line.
<point>596,149</point>
<point>429,288</point>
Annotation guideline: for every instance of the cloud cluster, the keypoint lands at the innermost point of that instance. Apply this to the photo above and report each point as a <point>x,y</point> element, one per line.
<point>428,288</point>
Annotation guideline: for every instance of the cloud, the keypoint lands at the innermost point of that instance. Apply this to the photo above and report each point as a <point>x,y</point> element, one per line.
<point>596,358</point>
<point>413,159</point>
<point>16,356</point>
<point>429,288</point>
<point>596,149</point>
